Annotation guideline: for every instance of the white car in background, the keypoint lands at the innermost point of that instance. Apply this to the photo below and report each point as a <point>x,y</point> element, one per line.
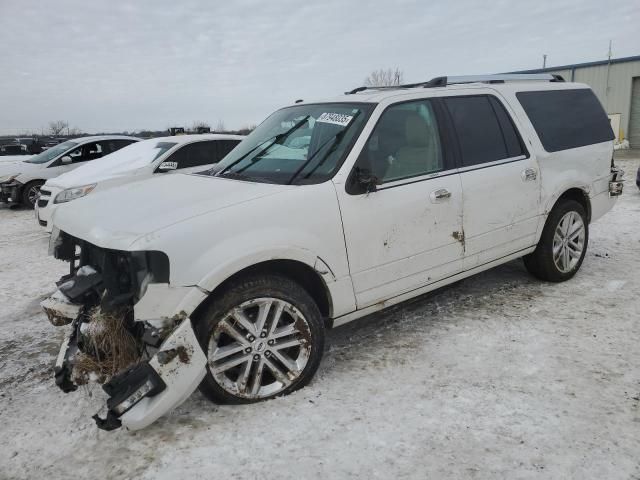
<point>183,153</point>
<point>20,180</point>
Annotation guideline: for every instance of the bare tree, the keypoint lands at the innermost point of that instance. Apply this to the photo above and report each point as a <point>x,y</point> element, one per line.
<point>58,127</point>
<point>384,78</point>
<point>74,131</point>
<point>220,126</point>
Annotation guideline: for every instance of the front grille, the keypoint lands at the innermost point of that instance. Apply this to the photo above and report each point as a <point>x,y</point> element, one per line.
<point>43,202</point>
<point>42,223</point>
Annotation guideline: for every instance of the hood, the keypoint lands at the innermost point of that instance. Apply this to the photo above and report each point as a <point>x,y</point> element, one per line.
<point>20,166</point>
<point>88,174</point>
<point>130,160</point>
<point>117,217</point>
<point>13,158</point>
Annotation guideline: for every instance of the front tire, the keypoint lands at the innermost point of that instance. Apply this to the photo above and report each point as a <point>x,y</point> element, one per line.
<point>263,337</point>
<point>30,193</point>
<point>562,245</point>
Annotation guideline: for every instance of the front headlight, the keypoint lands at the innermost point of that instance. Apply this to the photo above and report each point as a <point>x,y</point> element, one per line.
<point>73,193</point>
<point>8,178</point>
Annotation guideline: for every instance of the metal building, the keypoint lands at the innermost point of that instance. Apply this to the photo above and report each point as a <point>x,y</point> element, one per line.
<point>616,82</point>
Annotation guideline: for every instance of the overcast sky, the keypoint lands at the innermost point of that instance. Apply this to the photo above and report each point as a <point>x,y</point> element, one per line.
<point>117,65</point>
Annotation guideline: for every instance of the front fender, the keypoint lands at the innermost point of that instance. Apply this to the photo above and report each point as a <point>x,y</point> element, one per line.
<point>301,224</point>
<point>231,266</point>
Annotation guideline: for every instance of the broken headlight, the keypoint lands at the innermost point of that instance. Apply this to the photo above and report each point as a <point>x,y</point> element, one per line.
<point>73,193</point>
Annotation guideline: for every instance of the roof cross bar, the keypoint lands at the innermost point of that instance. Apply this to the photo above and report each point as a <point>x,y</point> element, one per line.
<point>444,81</point>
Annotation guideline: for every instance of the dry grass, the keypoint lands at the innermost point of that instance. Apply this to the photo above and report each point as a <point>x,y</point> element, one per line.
<point>114,348</point>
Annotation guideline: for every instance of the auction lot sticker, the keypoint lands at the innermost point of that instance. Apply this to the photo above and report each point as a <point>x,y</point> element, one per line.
<point>335,118</point>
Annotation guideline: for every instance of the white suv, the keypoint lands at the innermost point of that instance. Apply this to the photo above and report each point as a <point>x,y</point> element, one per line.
<point>182,153</point>
<point>327,212</point>
<point>20,181</point>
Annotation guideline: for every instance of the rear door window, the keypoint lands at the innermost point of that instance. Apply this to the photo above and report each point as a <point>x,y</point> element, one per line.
<point>512,140</point>
<point>566,119</point>
<point>223,147</point>
<point>479,132</point>
<point>203,153</point>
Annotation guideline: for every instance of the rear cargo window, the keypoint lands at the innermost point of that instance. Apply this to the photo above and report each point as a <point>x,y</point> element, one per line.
<point>566,119</point>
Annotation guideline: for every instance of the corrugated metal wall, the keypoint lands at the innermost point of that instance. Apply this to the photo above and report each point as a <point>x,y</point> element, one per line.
<point>634,120</point>
<point>618,97</point>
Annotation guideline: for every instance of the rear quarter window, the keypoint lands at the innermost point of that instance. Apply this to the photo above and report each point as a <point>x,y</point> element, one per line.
<point>565,119</point>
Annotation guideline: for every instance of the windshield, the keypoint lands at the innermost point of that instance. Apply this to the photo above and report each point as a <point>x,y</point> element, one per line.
<point>52,152</point>
<point>299,144</point>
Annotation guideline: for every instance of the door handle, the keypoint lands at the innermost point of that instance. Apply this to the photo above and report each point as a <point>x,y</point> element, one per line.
<point>440,195</point>
<point>529,174</point>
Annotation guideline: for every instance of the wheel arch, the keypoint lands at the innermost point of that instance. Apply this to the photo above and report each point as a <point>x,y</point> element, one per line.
<point>300,272</point>
<point>22,189</point>
<point>578,194</point>
<point>34,180</point>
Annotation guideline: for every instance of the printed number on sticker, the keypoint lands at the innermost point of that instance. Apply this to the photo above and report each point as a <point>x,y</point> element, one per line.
<point>335,118</point>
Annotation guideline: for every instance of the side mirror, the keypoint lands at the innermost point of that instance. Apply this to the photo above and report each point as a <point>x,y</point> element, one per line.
<point>165,166</point>
<point>66,160</point>
<point>366,180</point>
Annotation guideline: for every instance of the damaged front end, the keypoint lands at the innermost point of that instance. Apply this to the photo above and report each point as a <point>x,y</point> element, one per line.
<point>123,332</point>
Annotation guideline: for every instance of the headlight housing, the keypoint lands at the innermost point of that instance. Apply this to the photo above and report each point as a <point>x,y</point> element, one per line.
<point>8,178</point>
<point>73,193</point>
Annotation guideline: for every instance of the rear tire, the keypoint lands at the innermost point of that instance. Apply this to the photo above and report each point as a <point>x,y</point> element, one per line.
<point>30,193</point>
<point>263,336</point>
<point>562,245</point>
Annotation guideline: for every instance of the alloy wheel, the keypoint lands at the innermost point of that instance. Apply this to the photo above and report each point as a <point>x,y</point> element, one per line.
<point>33,194</point>
<point>259,348</point>
<point>568,241</point>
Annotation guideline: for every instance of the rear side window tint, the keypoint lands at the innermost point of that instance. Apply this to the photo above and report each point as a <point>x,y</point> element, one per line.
<point>515,147</point>
<point>566,119</point>
<point>480,134</point>
<point>195,155</point>
<point>224,147</point>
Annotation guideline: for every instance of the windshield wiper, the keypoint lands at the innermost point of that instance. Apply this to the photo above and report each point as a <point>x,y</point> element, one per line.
<point>275,139</point>
<point>334,140</point>
<point>246,178</point>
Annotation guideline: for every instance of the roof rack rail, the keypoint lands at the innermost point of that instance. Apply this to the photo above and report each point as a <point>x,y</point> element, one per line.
<point>444,81</point>
<point>499,78</point>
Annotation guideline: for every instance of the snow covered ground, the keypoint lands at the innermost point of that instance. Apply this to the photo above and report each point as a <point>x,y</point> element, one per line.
<point>499,376</point>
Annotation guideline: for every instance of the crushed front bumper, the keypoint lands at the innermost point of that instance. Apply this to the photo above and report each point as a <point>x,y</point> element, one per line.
<point>10,192</point>
<point>147,390</point>
<point>129,329</point>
